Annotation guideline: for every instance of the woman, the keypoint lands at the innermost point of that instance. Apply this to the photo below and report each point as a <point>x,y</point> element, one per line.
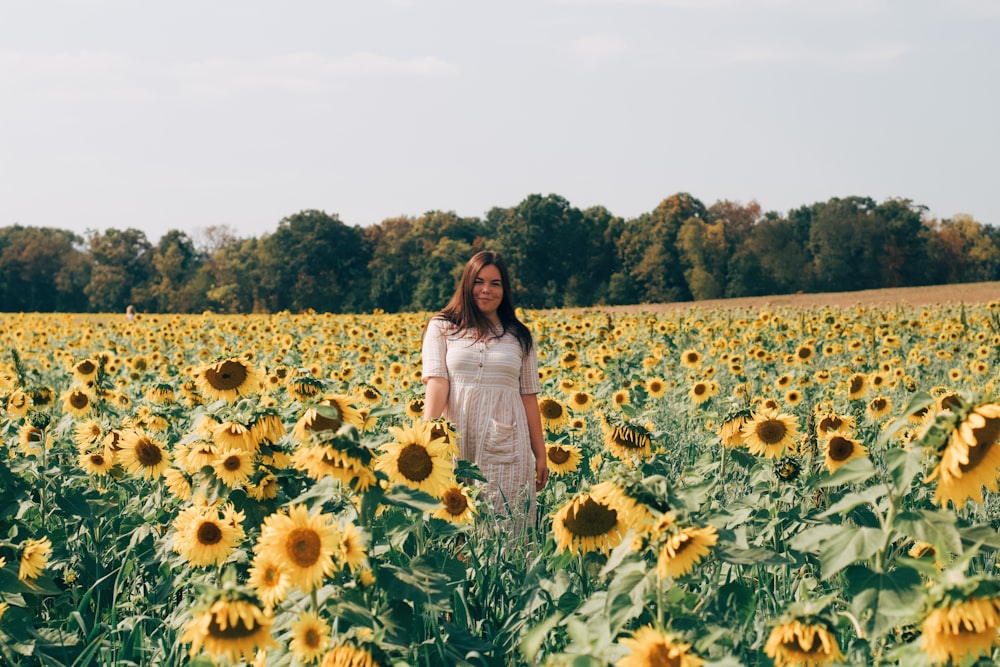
<point>480,370</point>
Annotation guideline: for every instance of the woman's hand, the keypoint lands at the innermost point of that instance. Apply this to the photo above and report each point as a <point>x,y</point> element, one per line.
<point>541,472</point>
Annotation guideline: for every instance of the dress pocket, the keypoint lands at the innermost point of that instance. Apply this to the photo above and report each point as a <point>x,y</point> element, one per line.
<point>500,443</point>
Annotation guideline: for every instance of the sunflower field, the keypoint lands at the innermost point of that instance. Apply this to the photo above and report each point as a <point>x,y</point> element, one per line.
<point>728,487</point>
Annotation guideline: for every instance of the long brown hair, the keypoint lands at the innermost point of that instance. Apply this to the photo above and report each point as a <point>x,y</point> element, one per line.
<point>464,314</point>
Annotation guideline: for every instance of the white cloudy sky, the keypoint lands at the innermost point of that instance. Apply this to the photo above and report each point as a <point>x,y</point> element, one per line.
<point>191,113</point>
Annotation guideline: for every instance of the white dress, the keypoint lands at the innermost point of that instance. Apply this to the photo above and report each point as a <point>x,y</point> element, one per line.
<point>486,380</point>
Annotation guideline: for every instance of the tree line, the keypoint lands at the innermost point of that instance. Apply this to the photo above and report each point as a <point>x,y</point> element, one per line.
<point>559,255</point>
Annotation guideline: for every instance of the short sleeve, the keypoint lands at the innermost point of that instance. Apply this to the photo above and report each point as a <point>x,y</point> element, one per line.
<point>529,373</point>
<point>435,350</point>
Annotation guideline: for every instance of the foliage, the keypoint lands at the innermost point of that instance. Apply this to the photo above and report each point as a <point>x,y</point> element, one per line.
<point>862,550</point>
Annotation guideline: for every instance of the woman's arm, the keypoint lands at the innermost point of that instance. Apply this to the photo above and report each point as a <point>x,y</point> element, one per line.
<point>530,402</point>
<point>436,397</point>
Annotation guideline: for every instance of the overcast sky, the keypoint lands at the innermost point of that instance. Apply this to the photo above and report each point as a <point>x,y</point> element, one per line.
<point>186,114</point>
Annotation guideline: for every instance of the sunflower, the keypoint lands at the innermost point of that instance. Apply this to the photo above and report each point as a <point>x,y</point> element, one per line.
<point>578,424</point>
<point>683,549</point>
<point>857,384</point>
<point>798,644</point>
<point>656,387</point>
<point>325,419</point>
<point>353,550</point>
<point>178,483</point>
<point>267,427</point>
<point>304,543</point>
<point>442,428</point>
<point>879,407</point>
<point>346,655</point>
<point>204,538</point>
<point>370,395</point>
<point>141,455</point>
<point>563,459</point>
<point>233,435</point>
<point>625,439</point>
<point>456,505</point>
<point>231,630</point>
<point>840,449</point>
<point>594,521</point>
<point>318,461</point>
<point>971,459</point>
<point>621,397</point>
<point>198,454</point>
<point>87,433</point>
<point>98,462</point>
<point>553,413</point>
<point>650,647</point>
<point>416,459</point>
<point>303,388</point>
<point>228,380</point>
<point>956,630</point>
<point>414,407</point>
<point>233,466</point>
<point>830,423</point>
<point>77,402</point>
<point>690,358</point>
<point>34,557</point>
<point>731,432</point>
<point>702,390</point>
<point>803,354</point>
<point>85,370</point>
<point>18,403</point>
<point>268,580</point>
<point>771,434</point>
<point>310,637</point>
<point>580,401</point>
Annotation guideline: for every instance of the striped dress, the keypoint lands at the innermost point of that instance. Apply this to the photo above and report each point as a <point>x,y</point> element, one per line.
<point>486,380</point>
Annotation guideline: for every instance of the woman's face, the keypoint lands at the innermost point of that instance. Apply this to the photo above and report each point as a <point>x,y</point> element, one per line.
<point>487,290</point>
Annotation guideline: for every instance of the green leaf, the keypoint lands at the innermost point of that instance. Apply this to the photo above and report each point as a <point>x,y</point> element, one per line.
<point>902,466</point>
<point>404,496</point>
<point>536,636</point>
<point>871,495</point>
<point>856,470</point>
<point>837,546</point>
<point>730,553</point>
<point>883,601</point>
<point>982,534</point>
<point>937,527</point>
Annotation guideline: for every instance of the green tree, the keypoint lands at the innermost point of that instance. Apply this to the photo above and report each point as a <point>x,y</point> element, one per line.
<point>442,269</point>
<point>962,250</point>
<point>545,241</point>
<point>42,270</point>
<point>315,261</point>
<point>175,264</point>
<point>649,249</point>
<point>846,243</point>
<point>120,270</point>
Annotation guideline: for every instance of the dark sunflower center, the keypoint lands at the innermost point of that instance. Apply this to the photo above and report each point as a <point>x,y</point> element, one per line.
<point>148,453</point>
<point>629,439</point>
<point>804,353</point>
<point>415,464</point>
<point>831,423</point>
<point>879,404</point>
<point>857,384</point>
<point>590,519</point>
<point>659,656</point>
<point>86,367</point>
<point>209,534</point>
<point>551,410</point>
<point>841,448</point>
<point>700,389</point>
<point>97,459</point>
<point>312,638</point>
<point>79,400</point>
<point>951,402</point>
<point>272,576</point>
<point>771,431</point>
<point>234,631</point>
<point>321,423</point>
<point>232,463</point>
<point>455,502</point>
<point>303,546</point>
<point>986,437</point>
<point>228,375</point>
<point>558,455</point>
